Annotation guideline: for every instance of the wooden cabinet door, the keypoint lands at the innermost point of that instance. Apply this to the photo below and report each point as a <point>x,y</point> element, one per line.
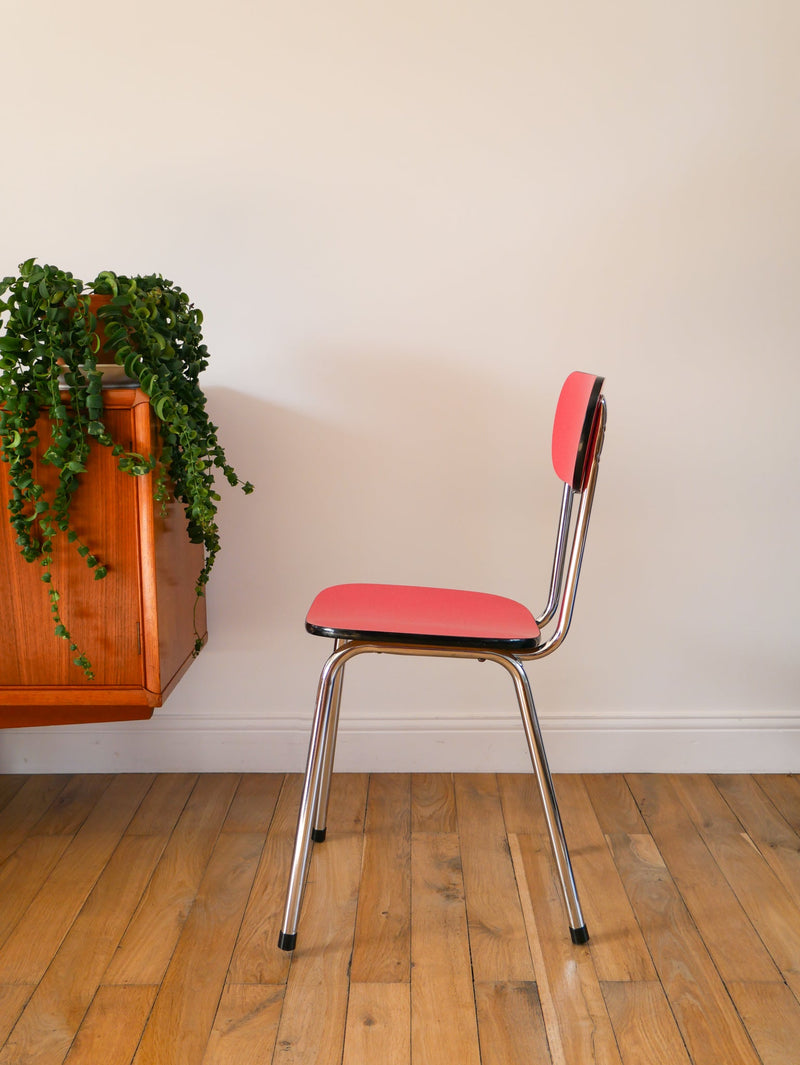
<point>105,616</point>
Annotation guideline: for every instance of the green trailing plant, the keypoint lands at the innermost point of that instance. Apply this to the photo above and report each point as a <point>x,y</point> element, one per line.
<point>51,336</point>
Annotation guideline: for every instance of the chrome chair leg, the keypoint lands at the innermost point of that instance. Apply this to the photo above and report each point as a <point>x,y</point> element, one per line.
<point>319,829</point>
<point>577,925</point>
<point>311,791</point>
<point>316,786</point>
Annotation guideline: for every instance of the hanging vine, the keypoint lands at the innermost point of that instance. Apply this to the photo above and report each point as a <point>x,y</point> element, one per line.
<point>51,333</point>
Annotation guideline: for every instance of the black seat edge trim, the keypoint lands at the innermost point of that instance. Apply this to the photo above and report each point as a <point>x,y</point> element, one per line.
<point>491,644</point>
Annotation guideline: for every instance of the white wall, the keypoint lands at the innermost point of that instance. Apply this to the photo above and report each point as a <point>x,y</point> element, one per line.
<point>405,223</point>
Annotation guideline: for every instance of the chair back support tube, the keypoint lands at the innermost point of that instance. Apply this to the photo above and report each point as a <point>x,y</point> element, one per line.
<point>578,544</point>
<point>557,576</point>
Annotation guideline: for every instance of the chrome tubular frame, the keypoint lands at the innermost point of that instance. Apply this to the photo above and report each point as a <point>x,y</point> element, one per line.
<point>328,755</point>
<point>557,575</point>
<point>320,766</point>
<point>570,589</point>
<point>311,820</point>
<point>320,751</point>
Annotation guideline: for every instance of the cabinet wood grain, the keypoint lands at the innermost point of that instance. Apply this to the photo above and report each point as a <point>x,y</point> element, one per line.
<point>136,626</point>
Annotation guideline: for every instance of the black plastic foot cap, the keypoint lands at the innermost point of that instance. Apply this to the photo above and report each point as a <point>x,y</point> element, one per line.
<point>287,942</point>
<point>579,935</point>
<point>318,834</point>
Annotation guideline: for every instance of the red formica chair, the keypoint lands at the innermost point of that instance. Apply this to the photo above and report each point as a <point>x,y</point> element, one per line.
<point>441,622</point>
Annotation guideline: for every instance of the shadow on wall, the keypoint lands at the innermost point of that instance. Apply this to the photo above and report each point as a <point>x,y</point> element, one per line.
<point>407,471</point>
<point>392,469</point>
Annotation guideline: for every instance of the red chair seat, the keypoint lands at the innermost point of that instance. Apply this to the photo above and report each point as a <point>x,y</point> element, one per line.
<point>406,614</point>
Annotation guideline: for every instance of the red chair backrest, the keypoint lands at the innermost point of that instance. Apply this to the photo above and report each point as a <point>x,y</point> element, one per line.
<point>576,414</point>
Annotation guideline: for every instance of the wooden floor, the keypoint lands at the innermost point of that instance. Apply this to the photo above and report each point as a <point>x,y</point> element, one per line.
<point>139,916</point>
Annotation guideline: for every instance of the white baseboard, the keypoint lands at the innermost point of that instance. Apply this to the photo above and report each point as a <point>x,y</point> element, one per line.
<point>586,743</point>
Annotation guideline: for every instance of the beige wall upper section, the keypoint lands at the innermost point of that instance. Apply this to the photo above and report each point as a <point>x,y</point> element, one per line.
<point>405,223</point>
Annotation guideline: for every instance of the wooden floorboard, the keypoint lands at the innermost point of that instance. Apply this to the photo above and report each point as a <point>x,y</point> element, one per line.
<point>382,945</point>
<point>139,916</point>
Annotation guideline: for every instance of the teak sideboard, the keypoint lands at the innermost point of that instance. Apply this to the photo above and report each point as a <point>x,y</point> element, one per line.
<point>136,626</point>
